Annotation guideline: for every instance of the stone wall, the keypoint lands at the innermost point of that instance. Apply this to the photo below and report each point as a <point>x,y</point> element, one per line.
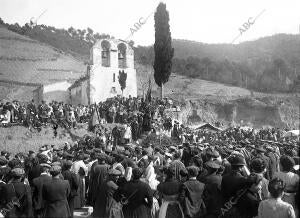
<point>102,85</point>
<point>78,95</point>
<point>57,92</point>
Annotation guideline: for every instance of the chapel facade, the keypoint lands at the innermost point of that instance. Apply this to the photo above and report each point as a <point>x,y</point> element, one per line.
<point>108,59</point>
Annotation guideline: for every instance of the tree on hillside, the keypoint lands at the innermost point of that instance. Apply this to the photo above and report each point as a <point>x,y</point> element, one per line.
<point>207,62</point>
<point>280,67</point>
<point>81,34</point>
<point>162,47</point>
<point>72,32</point>
<point>90,31</point>
<point>90,36</point>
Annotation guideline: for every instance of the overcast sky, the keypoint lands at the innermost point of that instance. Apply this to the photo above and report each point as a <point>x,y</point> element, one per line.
<point>213,21</point>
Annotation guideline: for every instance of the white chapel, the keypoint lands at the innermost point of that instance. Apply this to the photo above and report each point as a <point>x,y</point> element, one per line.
<point>108,57</point>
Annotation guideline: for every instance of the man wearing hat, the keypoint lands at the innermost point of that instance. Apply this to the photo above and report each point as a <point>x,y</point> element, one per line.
<point>31,154</point>
<point>135,192</point>
<point>261,154</point>
<point>186,154</point>
<point>4,169</point>
<point>274,161</point>
<point>73,180</point>
<point>212,196</point>
<point>37,190</point>
<point>35,170</point>
<point>258,167</point>
<point>212,176</point>
<point>3,161</point>
<point>98,175</point>
<point>55,194</point>
<point>22,207</point>
<point>234,180</point>
<point>105,204</point>
<point>211,154</point>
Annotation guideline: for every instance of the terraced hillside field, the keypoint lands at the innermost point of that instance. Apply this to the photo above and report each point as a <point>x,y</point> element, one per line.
<point>25,60</point>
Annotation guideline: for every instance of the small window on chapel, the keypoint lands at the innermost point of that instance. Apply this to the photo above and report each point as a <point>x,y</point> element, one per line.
<point>114,77</point>
<point>113,90</point>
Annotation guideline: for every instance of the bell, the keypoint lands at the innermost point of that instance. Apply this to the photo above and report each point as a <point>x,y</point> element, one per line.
<point>104,54</point>
<point>121,55</point>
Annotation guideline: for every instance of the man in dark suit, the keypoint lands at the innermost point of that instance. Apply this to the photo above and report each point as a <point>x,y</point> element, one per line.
<point>261,154</point>
<point>212,196</point>
<point>190,195</point>
<point>138,195</point>
<point>234,181</point>
<point>36,169</point>
<point>16,196</point>
<point>74,183</point>
<point>55,194</point>
<point>37,187</point>
<point>98,174</point>
<point>212,177</point>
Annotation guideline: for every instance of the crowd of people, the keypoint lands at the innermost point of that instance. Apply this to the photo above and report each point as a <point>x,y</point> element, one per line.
<point>230,173</point>
<point>114,110</point>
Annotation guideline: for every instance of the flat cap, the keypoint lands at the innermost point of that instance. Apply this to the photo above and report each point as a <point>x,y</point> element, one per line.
<point>260,148</point>
<point>45,165</point>
<point>212,152</point>
<point>56,148</point>
<point>17,172</point>
<point>172,148</point>
<point>56,163</point>
<point>68,163</point>
<point>114,172</point>
<point>212,165</point>
<point>3,161</point>
<point>43,148</point>
<point>97,150</point>
<point>237,160</point>
<point>168,154</point>
<point>127,153</point>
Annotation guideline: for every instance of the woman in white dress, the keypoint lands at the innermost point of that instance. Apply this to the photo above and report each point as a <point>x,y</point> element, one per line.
<point>290,179</point>
<point>275,207</point>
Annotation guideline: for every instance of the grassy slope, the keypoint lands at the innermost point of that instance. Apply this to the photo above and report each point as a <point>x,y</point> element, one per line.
<point>20,139</point>
<point>180,87</point>
<point>26,60</point>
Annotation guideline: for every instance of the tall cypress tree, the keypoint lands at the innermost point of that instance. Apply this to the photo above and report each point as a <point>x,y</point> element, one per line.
<point>162,47</point>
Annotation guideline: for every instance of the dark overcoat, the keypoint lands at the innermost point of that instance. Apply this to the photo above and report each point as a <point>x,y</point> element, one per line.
<point>17,200</point>
<point>191,198</point>
<point>140,199</point>
<point>56,194</point>
<point>106,205</point>
<point>232,183</point>
<point>37,189</point>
